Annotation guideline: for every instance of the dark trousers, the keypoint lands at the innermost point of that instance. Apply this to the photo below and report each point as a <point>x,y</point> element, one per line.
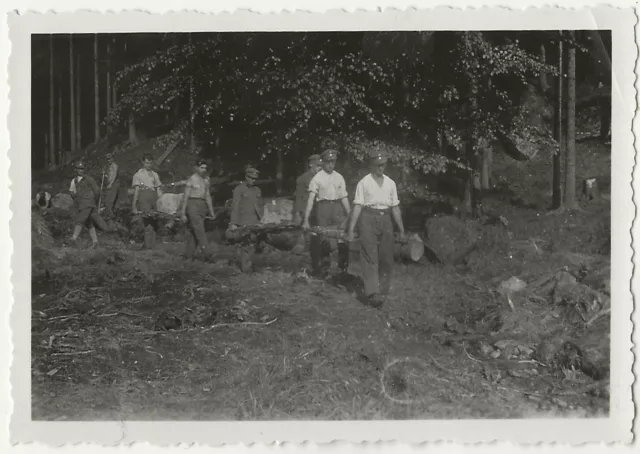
<point>376,251</point>
<point>328,214</point>
<point>147,201</point>
<point>89,217</point>
<point>111,198</point>
<point>196,212</point>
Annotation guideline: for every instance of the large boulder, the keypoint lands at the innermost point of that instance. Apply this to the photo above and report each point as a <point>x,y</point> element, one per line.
<point>62,201</point>
<point>449,237</point>
<point>277,210</point>
<point>169,203</point>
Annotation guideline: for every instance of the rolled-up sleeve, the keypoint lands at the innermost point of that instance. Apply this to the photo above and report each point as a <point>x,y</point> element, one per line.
<point>359,196</point>
<point>137,180</point>
<point>313,185</point>
<point>341,190</point>
<point>394,201</point>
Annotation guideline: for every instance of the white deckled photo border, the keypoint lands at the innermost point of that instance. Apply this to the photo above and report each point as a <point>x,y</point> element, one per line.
<point>616,428</point>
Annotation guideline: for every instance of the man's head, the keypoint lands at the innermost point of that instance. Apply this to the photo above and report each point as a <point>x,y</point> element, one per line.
<point>147,161</point>
<point>79,166</point>
<point>201,167</point>
<point>329,157</point>
<point>109,158</point>
<point>315,163</point>
<point>251,174</point>
<point>377,163</point>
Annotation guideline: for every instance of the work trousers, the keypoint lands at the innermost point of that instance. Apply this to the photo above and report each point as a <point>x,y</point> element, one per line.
<point>111,198</point>
<point>328,214</point>
<point>147,201</point>
<point>89,217</point>
<point>196,212</point>
<point>376,250</point>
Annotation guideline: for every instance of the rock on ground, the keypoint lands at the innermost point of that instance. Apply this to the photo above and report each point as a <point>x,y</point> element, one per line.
<point>169,203</point>
<point>277,210</point>
<point>449,237</point>
<point>62,202</point>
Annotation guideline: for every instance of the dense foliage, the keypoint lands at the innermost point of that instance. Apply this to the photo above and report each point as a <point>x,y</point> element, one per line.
<point>287,90</point>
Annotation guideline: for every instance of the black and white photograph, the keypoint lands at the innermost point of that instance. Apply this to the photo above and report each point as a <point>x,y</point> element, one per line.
<point>324,225</point>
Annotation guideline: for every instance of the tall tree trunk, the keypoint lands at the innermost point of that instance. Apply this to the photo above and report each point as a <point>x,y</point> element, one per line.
<point>47,163</point>
<point>487,159</point>
<point>279,171</point>
<point>559,154</point>
<point>96,91</point>
<point>59,153</point>
<point>114,89</point>
<point>133,136</point>
<point>570,200</point>
<point>108,83</point>
<point>544,85</point>
<point>192,109</point>
<point>78,116</point>
<point>51,140</point>
<point>72,103</point>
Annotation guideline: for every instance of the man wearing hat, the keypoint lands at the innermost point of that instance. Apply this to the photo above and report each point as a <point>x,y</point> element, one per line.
<point>112,186</point>
<point>246,207</point>
<point>85,192</point>
<point>302,188</point>
<point>146,184</point>
<point>196,202</point>
<point>376,199</point>
<point>329,192</point>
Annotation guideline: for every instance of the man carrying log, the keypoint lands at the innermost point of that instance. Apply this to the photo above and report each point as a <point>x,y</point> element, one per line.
<point>302,188</point>
<point>246,210</point>
<point>146,184</point>
<point>376,198</point>
<point>195,205</point>
<point>330,190</point>
<point>86,193</point>
<point>112,186</point>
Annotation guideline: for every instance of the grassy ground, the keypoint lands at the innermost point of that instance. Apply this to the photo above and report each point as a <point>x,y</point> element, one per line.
<point>273,344</point>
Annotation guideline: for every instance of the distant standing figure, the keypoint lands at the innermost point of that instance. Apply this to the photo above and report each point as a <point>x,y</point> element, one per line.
<point>113,186</point>
<point>302,188</point>
<point>376,198</point>
<point>195,205</point>
<point>330,190</point>
<point>85,192</point>
<point>246,210</point>
<point>246,207</point>
<point>146,184</point>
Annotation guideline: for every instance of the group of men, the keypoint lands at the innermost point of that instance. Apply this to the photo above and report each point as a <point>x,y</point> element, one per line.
<point>321,200</point>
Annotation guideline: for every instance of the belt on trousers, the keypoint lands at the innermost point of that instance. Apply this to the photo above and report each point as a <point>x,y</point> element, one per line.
<point>196,198</point>
<point>328,201</point>
<point>380,212</point>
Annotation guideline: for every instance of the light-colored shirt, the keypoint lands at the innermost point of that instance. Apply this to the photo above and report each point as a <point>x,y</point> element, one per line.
<point>326,186</point>
<point>72,188</point>
<point>146,179</point>
<point>199,186</point>
<point>112,174</point>
<point>372,195</point>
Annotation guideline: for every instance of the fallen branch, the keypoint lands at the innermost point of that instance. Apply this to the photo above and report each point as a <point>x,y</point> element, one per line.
<point>220,325</point>
<point>598,315</point>
<point>72,353</point>
<point>113,314</point>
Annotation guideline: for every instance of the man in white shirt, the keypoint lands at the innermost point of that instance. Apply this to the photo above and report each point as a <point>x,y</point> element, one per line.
<point>328,191</point>
<point>376,198</point>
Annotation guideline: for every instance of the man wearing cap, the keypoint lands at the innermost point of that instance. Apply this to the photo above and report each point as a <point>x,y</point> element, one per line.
<point>195,205</point>
<point>146,184</point>
<point>376,199</point>
<point>85,192</point>
<point>112,186</point>
<point>246,207</point>
<point>302,188</point>
<point>329,192</point>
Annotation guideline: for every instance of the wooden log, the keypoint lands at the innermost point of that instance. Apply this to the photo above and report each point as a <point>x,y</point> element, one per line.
<point>410,250</point>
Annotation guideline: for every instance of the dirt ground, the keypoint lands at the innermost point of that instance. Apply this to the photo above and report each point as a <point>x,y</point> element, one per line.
<point>275,344</point>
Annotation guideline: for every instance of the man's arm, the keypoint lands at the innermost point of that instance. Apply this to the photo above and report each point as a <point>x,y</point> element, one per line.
<point>207,197</point>
<point>312,190</point>
<point>235,205</point>
<point>395,209</point>
<point>185,198</point>
<point>113,172</point>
